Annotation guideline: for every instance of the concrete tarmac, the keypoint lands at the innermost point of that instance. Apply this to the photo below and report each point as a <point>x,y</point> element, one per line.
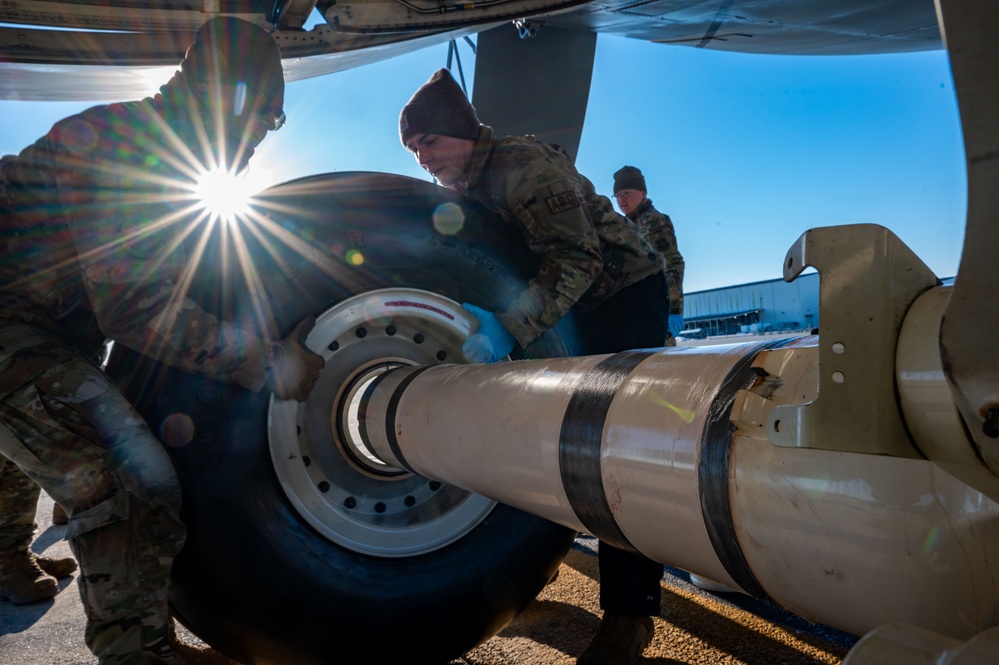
<point>693,627</point>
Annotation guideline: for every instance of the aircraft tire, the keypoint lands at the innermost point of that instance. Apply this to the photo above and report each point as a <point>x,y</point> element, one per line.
<point>272,574</point>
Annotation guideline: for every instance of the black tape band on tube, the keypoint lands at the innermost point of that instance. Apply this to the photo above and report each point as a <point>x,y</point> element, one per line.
<point>580,441</point>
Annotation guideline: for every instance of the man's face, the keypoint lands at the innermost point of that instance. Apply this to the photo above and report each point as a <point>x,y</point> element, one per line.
<point>629,199</point>
<point>446,158</point>
<point>248,116</point>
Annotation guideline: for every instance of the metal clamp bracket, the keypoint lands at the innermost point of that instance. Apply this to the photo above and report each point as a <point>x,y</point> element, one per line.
<point>868,278</point>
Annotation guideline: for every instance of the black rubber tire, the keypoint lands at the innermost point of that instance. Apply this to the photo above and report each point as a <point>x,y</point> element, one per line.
<point>254,579</point>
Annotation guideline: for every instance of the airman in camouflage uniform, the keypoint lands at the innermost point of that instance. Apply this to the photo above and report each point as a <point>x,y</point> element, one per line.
<point>589,253</point>
<point>93,218</point>
<point>632,198</point>
<point>593,261</point>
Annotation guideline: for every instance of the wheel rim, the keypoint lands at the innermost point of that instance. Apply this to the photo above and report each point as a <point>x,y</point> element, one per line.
<point>334,482</point>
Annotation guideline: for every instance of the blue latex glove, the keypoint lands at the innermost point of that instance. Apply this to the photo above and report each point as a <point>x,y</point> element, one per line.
<point>491,342</point>
<point>675,324</point>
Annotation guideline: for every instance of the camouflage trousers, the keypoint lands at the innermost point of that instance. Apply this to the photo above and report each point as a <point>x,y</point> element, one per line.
<point>65,428</point>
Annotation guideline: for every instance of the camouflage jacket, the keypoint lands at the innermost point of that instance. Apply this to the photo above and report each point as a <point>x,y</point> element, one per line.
<point>588,251</point>
<point>658,228</point>
<point>93,218</point>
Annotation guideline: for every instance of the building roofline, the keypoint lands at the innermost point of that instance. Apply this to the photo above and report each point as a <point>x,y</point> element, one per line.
<point>943,280</point>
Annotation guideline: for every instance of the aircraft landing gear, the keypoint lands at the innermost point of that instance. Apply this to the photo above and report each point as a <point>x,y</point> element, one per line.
<point>302,547</point>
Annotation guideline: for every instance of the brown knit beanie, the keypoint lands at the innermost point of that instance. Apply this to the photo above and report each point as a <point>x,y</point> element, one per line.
<point>629,177</point>
<point>236,51</point>
<point>439,107</point>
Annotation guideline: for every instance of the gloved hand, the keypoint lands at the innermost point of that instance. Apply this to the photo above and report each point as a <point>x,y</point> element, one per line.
<point>491,342</point>
<point>293,369</point>
<point>675,324</point>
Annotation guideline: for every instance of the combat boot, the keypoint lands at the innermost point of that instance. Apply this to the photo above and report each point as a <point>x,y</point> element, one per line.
<point>22,581</point>
<point>57,568</point>
<point>619,640</point>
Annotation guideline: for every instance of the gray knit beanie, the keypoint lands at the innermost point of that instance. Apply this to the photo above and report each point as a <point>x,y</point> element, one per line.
<point>629,177</point>
<point>439,107</point>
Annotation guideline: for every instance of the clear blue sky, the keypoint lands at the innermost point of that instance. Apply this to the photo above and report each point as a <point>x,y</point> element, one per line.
<point>744,152</point>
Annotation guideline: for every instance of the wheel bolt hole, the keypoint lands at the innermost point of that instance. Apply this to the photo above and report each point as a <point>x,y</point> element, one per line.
<point>307,460</point>
<point>434,485</point>
<point>418,338</point>
<point>361,332</point>
<point>350,502</point>
<point>441,355</point>
<point>333,346</point>
<point>379,507</point>
<point>410,501</point>
<point>390,330</point>
<point>324,487</point>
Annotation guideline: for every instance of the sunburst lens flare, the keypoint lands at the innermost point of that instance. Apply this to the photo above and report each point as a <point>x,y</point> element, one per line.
<point>225,195</point>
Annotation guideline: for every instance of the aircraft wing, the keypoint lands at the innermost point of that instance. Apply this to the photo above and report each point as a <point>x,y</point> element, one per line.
<point>116,66</point>
<point>806,27</point>
<point>104,49</point>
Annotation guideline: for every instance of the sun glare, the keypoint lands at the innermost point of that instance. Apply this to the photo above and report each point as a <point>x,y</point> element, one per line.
<point>225,195</point>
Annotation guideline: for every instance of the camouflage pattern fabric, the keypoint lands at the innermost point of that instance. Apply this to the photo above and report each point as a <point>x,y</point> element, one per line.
<point>588,251</point>
<point>92,244</point>
<point>69,431</point>
<point>97,225</point>
<point>658,228</point>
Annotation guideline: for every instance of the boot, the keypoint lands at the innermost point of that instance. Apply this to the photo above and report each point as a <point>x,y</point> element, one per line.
<point>59,515</point>
<point>57,568</point>
<point>620,640</point>
<point>22,581</point>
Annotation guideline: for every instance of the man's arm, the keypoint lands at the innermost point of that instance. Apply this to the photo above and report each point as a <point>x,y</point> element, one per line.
<point>557,227</point>
<point>135,269</point>
<point>661,234</point>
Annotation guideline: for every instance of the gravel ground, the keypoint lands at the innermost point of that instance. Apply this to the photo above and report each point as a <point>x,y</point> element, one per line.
<point>693,627</point>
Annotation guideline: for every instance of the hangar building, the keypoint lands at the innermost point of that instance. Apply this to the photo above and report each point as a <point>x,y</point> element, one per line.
<point>758,307</point>
<point>771,306</point>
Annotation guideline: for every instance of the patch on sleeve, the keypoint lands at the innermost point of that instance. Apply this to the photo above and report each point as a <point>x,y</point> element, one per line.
<point>562,202</point>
